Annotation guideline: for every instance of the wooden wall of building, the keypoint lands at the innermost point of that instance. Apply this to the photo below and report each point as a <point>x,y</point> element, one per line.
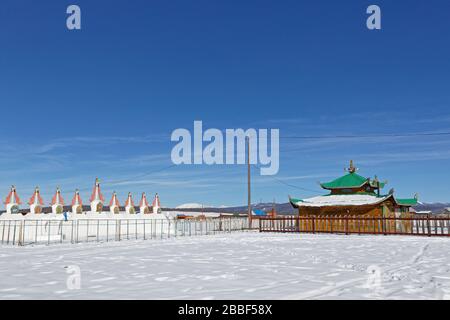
<point>387,209</point>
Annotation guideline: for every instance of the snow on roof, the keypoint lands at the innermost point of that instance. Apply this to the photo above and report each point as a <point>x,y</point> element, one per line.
<point>424,212</point>
<point>340,200</point>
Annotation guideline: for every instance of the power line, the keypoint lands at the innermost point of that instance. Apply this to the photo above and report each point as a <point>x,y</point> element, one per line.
<point>141,175</point>
<point>290,185</point>
<point>416,134</point>
<point>133,178</point>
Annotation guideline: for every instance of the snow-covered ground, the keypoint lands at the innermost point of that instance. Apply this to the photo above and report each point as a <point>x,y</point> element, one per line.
<point>245,265</point>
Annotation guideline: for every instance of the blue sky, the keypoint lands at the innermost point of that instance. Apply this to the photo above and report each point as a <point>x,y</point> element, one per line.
<point>104,100</point>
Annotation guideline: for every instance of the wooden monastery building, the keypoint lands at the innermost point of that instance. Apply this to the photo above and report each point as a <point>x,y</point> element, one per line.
<point>352,195</point>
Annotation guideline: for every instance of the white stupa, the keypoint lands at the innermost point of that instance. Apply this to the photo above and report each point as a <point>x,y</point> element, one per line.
<point>114,205</point>
<point>129,204</point>
<point>97,199</point>
<point>57,202</point>
<point>156,205</point>
<point>12,201</point>
<point>143,204</point>
<point>77,204</point>
<point>36,203</point>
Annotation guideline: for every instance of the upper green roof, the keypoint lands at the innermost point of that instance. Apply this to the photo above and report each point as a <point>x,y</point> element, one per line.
<point>350,180</point>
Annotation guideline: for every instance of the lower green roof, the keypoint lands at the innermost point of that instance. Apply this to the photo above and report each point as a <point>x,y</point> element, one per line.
<point>407,202</point>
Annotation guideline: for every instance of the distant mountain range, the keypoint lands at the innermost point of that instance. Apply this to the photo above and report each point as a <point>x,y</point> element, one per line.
<point>433,207</point>
<point>287,209</point>
<point>281,208</point>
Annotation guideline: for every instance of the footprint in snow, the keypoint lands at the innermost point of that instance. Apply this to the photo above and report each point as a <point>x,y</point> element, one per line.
<point>161,279</point>
<point>103,279</point>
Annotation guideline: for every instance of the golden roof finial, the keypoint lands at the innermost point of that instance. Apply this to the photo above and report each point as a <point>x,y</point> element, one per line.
<point>352,168</point>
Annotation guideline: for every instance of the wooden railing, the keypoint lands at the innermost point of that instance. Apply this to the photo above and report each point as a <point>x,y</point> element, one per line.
<point>413,225</point>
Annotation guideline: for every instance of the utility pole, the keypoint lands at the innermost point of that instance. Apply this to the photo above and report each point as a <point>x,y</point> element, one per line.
<point>249,211</point>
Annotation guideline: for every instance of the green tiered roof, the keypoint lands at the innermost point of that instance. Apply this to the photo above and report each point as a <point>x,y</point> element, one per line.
<point>352,180</point>
<point>360,191</point>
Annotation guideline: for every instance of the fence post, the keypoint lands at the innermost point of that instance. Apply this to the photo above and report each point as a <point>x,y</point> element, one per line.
<point>346,224</point>
<point>374,225</point>
<point>48,230</point>
<point>98,230</point>
<point>71,231</point>
<point>176,228</point>
<point>37,230</point>
<point>14,233</point>
<point>61,225</point>
<point>3,231</point>
<point>144,228</point>
<point>168,229</point>
<point>313,225</point>
<point>9,231</point>
<point>77,230</point>
<point>22,234</point>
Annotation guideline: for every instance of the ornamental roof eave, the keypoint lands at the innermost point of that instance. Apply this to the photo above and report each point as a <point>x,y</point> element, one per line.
<point>339,201</point>
<point>349,200</point>
<point>409,202</point>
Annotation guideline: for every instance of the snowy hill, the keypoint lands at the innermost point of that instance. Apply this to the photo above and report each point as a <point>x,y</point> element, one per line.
<point>286,208</point>
<point>192,206</point>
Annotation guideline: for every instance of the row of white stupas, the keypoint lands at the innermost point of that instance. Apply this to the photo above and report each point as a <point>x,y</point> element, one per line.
<point>97,200</point>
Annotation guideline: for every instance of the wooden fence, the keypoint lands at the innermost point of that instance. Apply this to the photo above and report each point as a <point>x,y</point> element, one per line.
<point>413,225</point>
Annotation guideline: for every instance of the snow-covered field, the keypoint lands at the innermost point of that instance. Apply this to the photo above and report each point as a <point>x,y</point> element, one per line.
<point>245,265</point>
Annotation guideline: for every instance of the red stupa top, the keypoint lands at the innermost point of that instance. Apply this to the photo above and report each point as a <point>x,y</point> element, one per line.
<point>76,200</point>
<point>96,193</point>
<point>143,202</point>
<point>156,202</point>
<point>36,198</point>
<point>129,201</point>
<point>13,197</point>
<point>114,201</point>
<point>57,198</point>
